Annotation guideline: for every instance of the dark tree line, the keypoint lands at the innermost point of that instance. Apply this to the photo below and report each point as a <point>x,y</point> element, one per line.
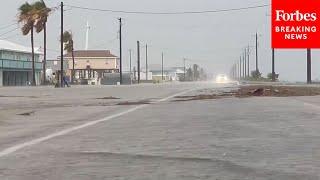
<point>195,73</point>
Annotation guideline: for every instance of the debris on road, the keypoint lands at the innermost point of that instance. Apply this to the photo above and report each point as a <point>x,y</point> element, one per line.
<point>27,113</point>
<point>198,97</point>
<point>277,91</point>
<point>4,96</point>
<point>109,97</point>
<point>258,92</point>
<point>128,103</point>
<point>255,91</point>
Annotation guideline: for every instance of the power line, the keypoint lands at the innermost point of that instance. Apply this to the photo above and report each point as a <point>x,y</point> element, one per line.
<point>169,13</point>
<point>12,30</point>
<point>12,36</point>
<point>7,26</point>
<point>16,23</point>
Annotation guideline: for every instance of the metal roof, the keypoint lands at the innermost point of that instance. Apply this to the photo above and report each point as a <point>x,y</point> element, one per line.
<point>10,46</point>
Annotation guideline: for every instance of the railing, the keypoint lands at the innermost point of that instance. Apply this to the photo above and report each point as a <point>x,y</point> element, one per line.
<point>16,64</point>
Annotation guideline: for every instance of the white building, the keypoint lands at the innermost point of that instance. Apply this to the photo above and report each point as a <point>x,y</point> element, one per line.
<point>16,64</point>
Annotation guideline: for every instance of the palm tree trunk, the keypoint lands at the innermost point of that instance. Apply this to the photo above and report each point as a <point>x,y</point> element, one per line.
<point>33,60</point>
<point>73,73</point>
<point>44,78</point>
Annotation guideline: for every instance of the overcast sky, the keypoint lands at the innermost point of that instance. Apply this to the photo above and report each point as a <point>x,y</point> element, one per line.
<point>214,41</point>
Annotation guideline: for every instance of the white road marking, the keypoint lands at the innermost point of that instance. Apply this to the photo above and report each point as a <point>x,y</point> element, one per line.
<point>33,142</point>
<point>314,106</point>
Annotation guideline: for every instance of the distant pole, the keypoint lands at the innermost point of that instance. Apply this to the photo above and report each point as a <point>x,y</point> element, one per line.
<point>147,62</point>
<point>162,66</point>
<point>87,36</point>
<point>257,65</point>
<point>243,66</point>
<point>44,77</point>
<point>184,69</point>
<point>273,67</point>
<point>234,71</point>
<point>245,62</point>
<point>130,57</point>
<point>61,48</point>
<point>248,56</point>
<point>138,56</point>
<point>120,39</point>
<point>240,68</point>
<point>309,81</point>
<point>134,73</point>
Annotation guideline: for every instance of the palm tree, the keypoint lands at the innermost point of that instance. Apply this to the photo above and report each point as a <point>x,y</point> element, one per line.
<point>68,46</point>
<point>28,17</point>
<point>41,25</point>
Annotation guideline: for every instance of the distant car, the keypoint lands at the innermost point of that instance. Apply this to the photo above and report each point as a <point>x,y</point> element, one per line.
<point>222,78</point>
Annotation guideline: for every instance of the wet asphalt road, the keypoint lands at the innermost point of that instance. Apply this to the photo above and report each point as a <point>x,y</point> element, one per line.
<point>82,134</point>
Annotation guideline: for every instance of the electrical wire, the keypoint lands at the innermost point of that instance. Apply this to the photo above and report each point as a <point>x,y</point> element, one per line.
<point>12,30</point>
<point>10,37</point>
<point>16,23</point>
<point>169,13</point>
<point>7,26</point>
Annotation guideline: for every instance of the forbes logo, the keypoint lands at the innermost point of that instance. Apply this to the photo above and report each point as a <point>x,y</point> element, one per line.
<point>281,15</point>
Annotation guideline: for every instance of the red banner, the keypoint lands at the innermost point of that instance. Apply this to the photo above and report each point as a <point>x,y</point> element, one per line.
<point>295,23</point>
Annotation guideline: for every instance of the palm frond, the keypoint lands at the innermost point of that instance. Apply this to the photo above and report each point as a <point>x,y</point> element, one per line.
<point>26,28</point>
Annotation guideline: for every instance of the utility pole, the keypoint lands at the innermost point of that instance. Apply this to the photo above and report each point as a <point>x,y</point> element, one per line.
<point>130,58</point>
<point>138,56</point>
<point>257,65</point>
<point>61,48</point>
<point>120,39</point>
<point>240,69</point>
<point>234,71</point>
<point>44,77</point>
<point>184,69</point>
<point>248,56</point>
<point>147,62</point>
<point>245,63</point>
<point>162,66</point>
<point>309,81</point>
<point>134,73</point>
<point>273,67</point>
